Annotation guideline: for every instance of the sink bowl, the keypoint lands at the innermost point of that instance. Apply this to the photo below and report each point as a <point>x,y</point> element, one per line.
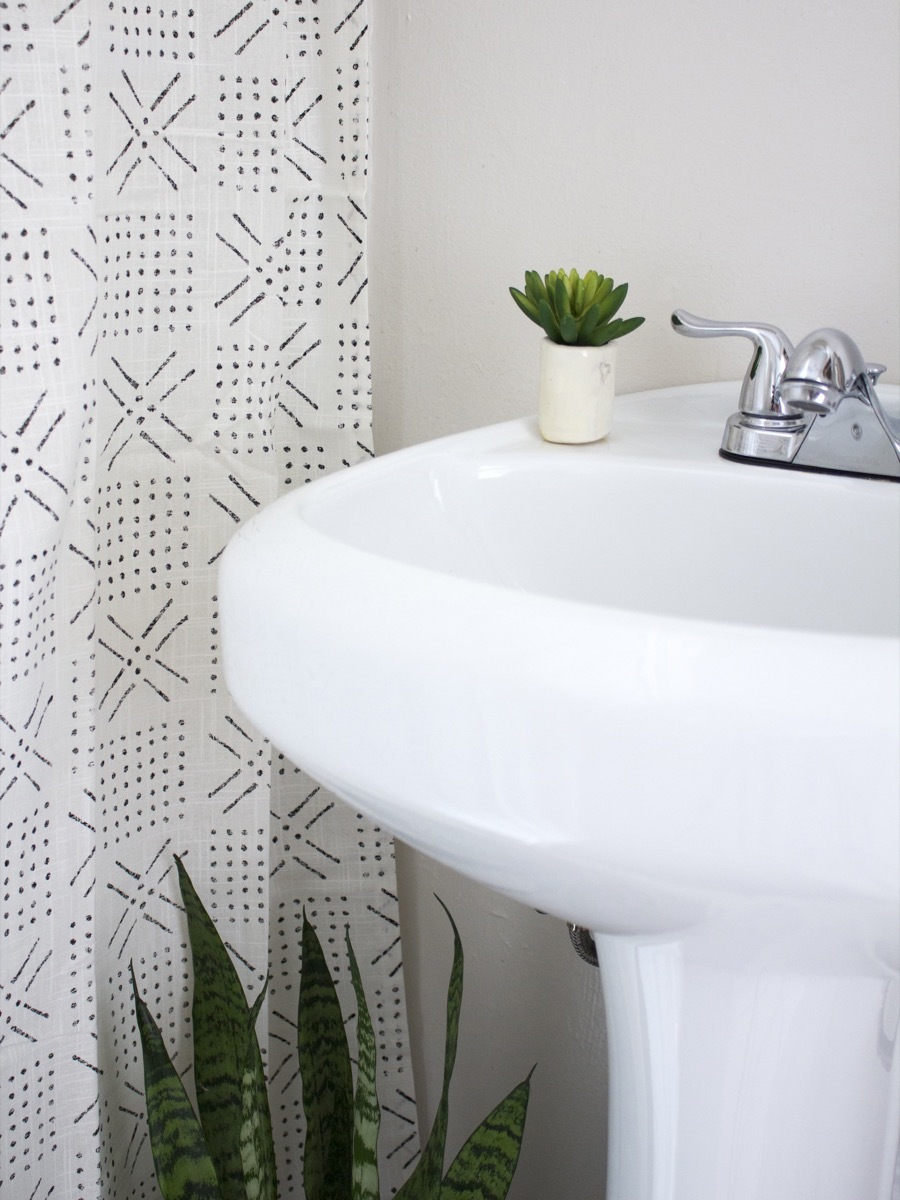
<point>615,681</point>
<point>652,692</point>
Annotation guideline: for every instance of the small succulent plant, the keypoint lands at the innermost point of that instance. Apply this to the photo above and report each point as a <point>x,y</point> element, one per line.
<point>575,311</point>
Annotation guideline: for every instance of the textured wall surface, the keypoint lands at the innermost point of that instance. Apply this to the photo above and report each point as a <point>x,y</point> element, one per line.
<point>732,160</point>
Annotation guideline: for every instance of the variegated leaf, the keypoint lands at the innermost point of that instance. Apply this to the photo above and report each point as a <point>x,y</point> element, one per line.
<point>326,1078</point>
<point>219,1016</point>
<point>257,1149</point>
<point>184,1169</point>
<point>366,1111</point>
<point>425,1181</point>
<point>484,1167</point>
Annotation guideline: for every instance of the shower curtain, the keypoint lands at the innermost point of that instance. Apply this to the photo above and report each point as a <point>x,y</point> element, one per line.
<point>184,335</point>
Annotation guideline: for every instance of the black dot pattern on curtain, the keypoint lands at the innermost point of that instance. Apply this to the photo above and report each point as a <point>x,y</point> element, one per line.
<point>184,326</point>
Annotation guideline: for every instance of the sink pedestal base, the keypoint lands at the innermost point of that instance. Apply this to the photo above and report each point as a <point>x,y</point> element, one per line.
<point>746,1078</point>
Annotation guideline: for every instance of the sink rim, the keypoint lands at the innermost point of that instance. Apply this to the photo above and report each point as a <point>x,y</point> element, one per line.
<point>515,446</point>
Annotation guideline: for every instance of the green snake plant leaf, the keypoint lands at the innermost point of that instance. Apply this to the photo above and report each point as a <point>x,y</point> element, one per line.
<point>219,1015</point>
<point>366,1111</point>
<point>484,1167</point>
<point>184,1168</point>
<point>326,1078</point>
<point>257,1149</point>
<point>425,1181</point>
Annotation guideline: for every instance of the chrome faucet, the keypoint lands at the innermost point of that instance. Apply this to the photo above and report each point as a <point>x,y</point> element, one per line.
<point>813,406</point>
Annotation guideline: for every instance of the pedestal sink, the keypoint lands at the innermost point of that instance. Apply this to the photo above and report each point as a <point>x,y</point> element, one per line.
<point>654,693</point>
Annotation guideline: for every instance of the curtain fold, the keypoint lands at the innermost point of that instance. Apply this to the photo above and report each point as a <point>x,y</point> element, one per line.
<point>184,335</point>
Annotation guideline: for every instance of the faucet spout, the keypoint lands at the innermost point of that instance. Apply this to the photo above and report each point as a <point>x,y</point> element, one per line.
<point>826,368</point>
<point>821,371</point>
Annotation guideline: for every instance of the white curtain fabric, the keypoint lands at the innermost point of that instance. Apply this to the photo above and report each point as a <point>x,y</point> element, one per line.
<point>184,334</point>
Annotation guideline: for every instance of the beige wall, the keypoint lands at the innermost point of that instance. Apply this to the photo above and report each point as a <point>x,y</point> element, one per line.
<point>739,160</point>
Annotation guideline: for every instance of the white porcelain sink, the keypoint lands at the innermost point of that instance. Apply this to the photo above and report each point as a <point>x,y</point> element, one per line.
<point>657,694</point>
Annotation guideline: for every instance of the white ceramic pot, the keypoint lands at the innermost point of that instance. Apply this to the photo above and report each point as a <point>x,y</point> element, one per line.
<point>577,389</point>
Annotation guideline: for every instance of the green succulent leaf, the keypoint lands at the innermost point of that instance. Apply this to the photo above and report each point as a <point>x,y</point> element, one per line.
<point>588,323</point>
<point>549,323</point>
<point>605,287</point>
<point>575,310</point>
<point>220,1016</point>
<point>485,1166</point>
<point>562,304</point>
<point>184,1168</point>
<point>578,297</point>
<point>613,301</point>
<point>629,324</point>
<point>568,327</point>
<point>592,283</point>
<point>326,1078</point>
<point>425,1181</point>
<point>602,336</point>
<point>550,288</point>
<point>366,1112</point>
<point>615,329</point>
<point>526,304</point>
<point>534,287</point>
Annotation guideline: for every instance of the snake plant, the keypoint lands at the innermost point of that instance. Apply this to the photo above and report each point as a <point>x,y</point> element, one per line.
<point>224,1150</point>
<point>575,311</point>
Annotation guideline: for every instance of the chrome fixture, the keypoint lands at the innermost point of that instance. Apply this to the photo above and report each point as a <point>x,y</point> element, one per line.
<point>813,406</point>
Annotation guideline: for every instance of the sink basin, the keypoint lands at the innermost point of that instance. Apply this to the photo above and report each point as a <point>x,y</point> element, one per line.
<point>611,680</point>
<point>652,692</point>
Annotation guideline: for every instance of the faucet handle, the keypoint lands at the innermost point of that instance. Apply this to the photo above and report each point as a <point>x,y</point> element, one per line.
<point>759,392</point>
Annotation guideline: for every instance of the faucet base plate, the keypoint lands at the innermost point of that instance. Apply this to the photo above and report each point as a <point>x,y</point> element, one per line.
<point>768,439</point>
<point>756,461</point>
<point>848,441</point>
